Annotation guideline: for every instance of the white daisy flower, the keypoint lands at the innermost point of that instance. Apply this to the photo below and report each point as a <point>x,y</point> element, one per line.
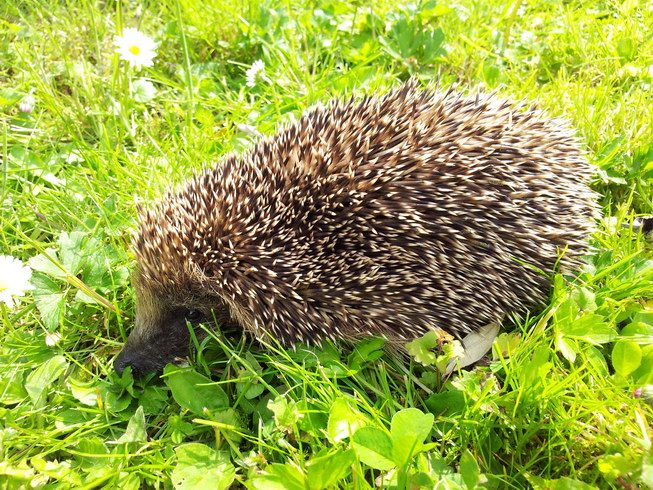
<point>135,48</point>
<point>255,72</point>
<point>14,279</point>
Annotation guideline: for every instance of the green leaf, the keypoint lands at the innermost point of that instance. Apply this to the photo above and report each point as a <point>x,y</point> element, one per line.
<point>153,399</point>
<point>43,264</point>
<point>325,471</point>
<point>84,391</point>
<point>626,49</point>
<point>615,465</point>
<point>626,357</point>
<point>280,477</point>
<point>585,299</point>
<point>286,414</point>
<point>591,328</point>
<point>115,397</point>
<point>645,317</point>
<point>432,45</point>
<point>12,386</point>
<point>343,421</point>
<point>194,391</point>
<point>404,37</point>
<point>9,97</point>
<point>203,116</point>
<point>135,428</point>
<point>199,466</point>
<point>27,159</point>
<point>94,264</point>
<point>49,299</point>
<point>409,429</point>
<point>536,369</point>
<point>505,344</point>
<point>314,419</point>
<point>469,470</point>
<point>143,90</point>
<point>647,469</point>
<point>366,351</point>
<point>61,471</point>
<point>420,348</point>
<point>597,360</point>
<point>92,452</point>
<point>637,329</point>
<point>46,374</point>
<point>451,351</point>
<point>643,375</point>
<point>70,250</point>
<point>179,429</point>
<point>250,384</point>
<point>447,403</point>
<point>563,483</point>
<point>374,448</point>
<point>231,424</point>
<point>567,347</point>
<point>128,481</point>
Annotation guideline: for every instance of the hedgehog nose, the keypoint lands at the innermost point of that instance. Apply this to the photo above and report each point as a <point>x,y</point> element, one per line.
<point>123,360</point>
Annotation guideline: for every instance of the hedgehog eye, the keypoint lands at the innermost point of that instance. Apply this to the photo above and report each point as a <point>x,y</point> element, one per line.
<point>193,315</point>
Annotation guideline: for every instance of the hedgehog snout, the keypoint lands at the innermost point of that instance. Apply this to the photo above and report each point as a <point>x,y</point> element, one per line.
<point>126,359</point>
<point>148,358</point>
<point>153,344</point>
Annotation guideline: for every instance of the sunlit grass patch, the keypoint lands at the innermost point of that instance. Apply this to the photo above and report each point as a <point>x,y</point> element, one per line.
<point>565,400</point>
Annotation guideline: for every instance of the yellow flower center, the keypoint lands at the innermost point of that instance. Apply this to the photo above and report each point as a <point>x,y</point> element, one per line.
<point>135,50</point>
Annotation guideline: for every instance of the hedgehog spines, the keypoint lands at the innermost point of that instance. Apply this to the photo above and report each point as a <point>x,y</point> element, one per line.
<point>392,215</point>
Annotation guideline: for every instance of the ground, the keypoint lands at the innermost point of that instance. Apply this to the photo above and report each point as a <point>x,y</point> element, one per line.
<point>87,132</point>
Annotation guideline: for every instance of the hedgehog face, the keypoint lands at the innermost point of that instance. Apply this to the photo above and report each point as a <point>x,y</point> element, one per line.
<point>162,333</point>
<point>160,337</point>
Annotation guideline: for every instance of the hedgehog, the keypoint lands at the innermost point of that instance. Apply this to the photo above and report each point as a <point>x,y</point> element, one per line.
<point>393,215</point>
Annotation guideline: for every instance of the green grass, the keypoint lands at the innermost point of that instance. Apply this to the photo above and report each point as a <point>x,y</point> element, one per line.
<point>559,406</point>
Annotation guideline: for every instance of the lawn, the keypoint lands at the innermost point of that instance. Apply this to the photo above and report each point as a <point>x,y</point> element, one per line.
<point>565,400</point>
